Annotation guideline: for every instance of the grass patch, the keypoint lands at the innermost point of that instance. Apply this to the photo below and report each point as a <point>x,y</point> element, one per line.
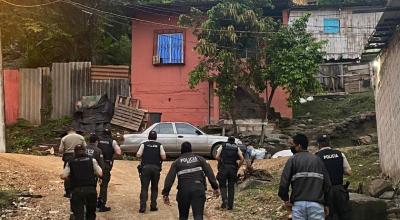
<point>259,203</point>
<point>364,162</point>
<point>7,197</point>
<point>336,108</point>
<point>23,135</point>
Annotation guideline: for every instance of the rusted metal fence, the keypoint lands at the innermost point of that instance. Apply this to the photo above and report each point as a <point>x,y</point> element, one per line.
<point>46,93</point>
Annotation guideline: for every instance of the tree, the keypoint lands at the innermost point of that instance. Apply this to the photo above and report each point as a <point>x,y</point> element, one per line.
<point>226,43</point>
<point>293,57</point>
<point>64,32</point>
<point>241,47</point>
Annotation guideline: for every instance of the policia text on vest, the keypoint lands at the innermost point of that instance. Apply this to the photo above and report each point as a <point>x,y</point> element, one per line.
<point>191,171</point>
<point>152,154</point>
<point>228,156</point>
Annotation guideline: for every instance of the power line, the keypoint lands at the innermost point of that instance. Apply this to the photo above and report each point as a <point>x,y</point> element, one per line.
<point>31,6</point>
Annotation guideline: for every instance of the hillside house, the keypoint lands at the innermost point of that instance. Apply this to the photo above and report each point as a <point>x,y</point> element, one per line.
<point>346,30</point>
<point>163,56</point>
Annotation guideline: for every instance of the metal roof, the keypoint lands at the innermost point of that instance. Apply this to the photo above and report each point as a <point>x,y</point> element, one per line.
<point>384,31</point>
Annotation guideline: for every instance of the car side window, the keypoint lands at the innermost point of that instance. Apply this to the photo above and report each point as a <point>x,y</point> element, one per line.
<point>182,128</point>
<point>164,128</point>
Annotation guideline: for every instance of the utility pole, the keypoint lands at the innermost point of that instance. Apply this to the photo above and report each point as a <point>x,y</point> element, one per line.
<point>2,124</point>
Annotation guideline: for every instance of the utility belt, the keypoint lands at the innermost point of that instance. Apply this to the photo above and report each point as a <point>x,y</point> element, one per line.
<point>225,165</point>
<point>67,156</point>
<point>109,162</point>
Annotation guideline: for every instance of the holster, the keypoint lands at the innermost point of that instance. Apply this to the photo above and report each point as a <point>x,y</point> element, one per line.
<point>140,169</point>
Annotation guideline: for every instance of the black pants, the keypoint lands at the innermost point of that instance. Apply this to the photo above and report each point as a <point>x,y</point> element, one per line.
<point>150,174</point>
<point>84,197</point>
<point>106,179</point>
<point>67,183</point>
<point>191,195</point>
<point>227,177</point>
<point>340,208</point>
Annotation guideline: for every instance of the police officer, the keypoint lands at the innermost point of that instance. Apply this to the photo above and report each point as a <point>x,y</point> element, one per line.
<point>228,155</point>
<point>337,166</point>
<point>93,151</point>
<point>82,171</point>
<point>66,149</point>
<point>152,154</point>
<point>191,171</point>
<point>109,147</point>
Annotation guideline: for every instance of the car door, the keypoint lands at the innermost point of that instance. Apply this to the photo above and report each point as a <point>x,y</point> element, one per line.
<point>187,132</point>
<point>167,137</point>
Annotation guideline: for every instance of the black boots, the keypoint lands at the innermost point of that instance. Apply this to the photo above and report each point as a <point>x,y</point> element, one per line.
<point>101,206</point>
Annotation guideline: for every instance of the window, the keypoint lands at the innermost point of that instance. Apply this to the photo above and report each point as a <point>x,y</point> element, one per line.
<point>164,128</point>
<point>169,47</point>
<point>182,128</point>
<point>331,25</point>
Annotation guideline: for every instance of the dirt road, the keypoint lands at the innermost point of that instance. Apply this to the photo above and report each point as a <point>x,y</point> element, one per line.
<point>40,175</point>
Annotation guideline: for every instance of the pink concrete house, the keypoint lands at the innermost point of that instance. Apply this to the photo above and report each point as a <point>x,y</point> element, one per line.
<point>163,56</point>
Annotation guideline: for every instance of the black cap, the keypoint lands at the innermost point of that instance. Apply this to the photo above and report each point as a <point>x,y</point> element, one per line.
<point>152,135</point>
<point>231,139</point>
<point>186,147</point>
<point>323,138</point>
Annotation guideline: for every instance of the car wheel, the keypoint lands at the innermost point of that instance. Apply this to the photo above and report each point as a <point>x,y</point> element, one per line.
<point>214,150</point>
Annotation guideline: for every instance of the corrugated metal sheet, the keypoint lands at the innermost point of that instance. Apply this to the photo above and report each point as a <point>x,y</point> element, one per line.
<point>60,90</point>
<point>109,72</point>
<point>355,30</point>
<point>31,94</point>
<point>11,95</point>
<point>80,81</point>
<point>112,88</point>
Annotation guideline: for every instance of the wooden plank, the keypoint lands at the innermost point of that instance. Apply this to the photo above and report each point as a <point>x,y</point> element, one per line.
<point>109,74</point>
<point>125,124</point>
<point>129,114</point>
<point>130,109</point>
<point>128,118</point>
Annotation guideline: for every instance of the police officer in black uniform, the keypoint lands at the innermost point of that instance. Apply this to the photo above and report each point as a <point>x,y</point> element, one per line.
<point>337,166</point>
<point>191,171</point>
<point>228,155</point>
<point>152,154</point>
<point>93,151</point>
<point>109,147</point>
<point>82,171</point>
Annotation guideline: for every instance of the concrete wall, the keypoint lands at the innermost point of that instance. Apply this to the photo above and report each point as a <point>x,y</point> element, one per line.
<point>355,29</point>
<point>387,95</point>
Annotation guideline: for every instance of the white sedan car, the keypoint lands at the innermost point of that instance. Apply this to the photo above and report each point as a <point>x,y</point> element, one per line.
<point>172,134</point>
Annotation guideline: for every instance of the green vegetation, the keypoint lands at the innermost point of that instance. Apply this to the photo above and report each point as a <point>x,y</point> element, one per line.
<point>7,197</point>
<point>336,108</point>
<point>364,161</point>
<point>263,202</point>
<point>23,135</point>
<point>65,31</point>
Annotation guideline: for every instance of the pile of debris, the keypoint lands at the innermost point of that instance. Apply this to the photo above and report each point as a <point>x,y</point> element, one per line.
<point>252,178</point>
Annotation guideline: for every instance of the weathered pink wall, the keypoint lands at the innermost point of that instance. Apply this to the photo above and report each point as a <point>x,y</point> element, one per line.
<point>11,95</point>
<point>164,88</point>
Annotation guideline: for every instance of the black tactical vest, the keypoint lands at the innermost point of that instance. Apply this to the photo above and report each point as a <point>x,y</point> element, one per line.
<point>333,161</point>
<point>82,172</point>
<point>106,147</point>
<point>151,153</point>
<point>189,170</point>
<point>229,154</point>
